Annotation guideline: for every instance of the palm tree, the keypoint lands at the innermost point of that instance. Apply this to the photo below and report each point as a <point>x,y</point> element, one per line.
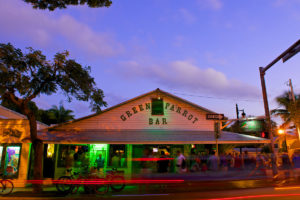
<point>60,114</point>
<point>289,111</point>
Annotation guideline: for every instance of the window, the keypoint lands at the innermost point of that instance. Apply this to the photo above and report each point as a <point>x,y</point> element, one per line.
<point>117,156</point>
<point>71,155</point>
<point>11,162</point>
<point>157,107</point>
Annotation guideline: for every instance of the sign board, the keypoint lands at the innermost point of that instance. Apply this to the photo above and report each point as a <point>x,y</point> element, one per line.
<point>252,126</point>
<point>215,116</point>
<point>291,53</point>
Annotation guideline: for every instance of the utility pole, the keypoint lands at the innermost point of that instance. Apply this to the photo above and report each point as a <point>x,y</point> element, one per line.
<point>295,107</point>
<point>286,55</point>
<point>237,111</point>
<point>266,104</point>
<point>292,90</point>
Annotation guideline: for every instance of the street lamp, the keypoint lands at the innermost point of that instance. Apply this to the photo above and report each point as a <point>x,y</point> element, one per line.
<point>287,54</point>
<point>238,112</point>
<point>282,132</point>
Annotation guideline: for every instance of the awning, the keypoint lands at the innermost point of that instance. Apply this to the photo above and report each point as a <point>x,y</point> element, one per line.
<point>145,137</point>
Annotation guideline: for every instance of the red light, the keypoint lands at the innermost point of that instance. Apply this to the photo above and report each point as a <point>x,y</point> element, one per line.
<point>151,159</point>
<point>103,181</point>
<point>254,196</point>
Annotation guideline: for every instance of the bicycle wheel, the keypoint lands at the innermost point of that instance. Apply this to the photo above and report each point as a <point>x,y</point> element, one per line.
<point>118,183</point>
<point>100,188</point>
<point>74,189</point>
<point>7,187</point>
<point>64,185</point>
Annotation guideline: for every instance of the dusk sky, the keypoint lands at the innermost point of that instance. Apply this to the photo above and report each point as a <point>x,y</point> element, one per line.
<point>205,51</point>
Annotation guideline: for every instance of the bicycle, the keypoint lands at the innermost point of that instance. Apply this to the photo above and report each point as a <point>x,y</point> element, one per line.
<point>70,184</point>
<point>6,185</point>
<point>117,182</point>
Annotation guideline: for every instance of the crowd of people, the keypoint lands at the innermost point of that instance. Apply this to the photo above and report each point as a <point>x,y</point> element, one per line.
<point>256,164</point>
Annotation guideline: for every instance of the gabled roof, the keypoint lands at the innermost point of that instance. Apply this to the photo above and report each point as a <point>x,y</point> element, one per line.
<point>14,113</point>
<point>136,98</point>
<point>17,116</point>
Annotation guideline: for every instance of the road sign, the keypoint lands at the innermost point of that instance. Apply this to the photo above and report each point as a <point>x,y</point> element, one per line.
<point>291,53</point>
<point>215,116</point>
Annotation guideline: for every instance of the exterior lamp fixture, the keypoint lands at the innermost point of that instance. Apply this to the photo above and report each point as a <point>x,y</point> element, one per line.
<point>243,114</point>
<point>238,112</point>
<point>282,132</point>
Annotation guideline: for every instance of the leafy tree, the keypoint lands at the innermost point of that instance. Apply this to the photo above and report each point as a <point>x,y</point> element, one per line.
<point>62,4</point>
<point>55,115</point>
<point>60,114</point>
<point>10,105</point>
<point>24,76</point>
<point>289,111</point>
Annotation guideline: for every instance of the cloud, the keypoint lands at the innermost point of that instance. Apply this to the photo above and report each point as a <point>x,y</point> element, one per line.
<point>187,16</point>
<point>211,4</point>
<point>212,59</point>
<point>179,40</point>
<point>113,99</point>
<point>187,76</point>
<point>44,29</point>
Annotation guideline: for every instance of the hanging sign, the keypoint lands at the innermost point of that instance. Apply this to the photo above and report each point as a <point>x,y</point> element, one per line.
<point>215,116</point>
<point>12,132</point>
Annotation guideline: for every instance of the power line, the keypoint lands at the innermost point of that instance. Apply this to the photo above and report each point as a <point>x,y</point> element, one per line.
<point>211,97</point>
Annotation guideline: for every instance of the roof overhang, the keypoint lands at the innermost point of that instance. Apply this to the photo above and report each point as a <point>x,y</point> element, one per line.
<point>145,137</point>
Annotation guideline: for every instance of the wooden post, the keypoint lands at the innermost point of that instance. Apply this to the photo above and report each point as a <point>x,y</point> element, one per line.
<point>268,119</point>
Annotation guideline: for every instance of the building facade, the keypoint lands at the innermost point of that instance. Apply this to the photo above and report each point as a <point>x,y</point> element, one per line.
<point>153,122</point>
<point>15,145</point>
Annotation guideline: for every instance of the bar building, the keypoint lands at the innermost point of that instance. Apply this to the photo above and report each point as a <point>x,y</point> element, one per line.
<point>156,121</point>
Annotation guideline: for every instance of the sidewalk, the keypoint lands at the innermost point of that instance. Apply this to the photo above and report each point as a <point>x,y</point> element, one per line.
<point>208,181</point>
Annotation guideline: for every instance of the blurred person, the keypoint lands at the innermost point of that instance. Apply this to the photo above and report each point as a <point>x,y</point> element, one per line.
<point>237,161</point>
<point>123,160</point>
<point>296,164</point>
<point>273,163</point>
<point>230,162</point>
<point>145,170</point>
<point>223,162</point>
<point>286,165</point>
<point>69,160</point>
<point>99,163</point>
<point>180,163</point>
<point>115,161</point>
<point>85,162</point>
<point>145,164</point>
<point>260,165</point>
<point>213,162</point>
<point>163,163</point>
<point>204,159</point>
<point>247,161</point>
<point>198,159</point>
<point>194,166</point>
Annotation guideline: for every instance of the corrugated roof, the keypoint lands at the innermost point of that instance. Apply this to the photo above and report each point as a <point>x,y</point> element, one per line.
<point>145,137</point>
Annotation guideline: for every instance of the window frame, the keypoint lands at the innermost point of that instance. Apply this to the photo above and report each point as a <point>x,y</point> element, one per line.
<point>3,159</point>
<point>110,153</point>
<point>162,105</point>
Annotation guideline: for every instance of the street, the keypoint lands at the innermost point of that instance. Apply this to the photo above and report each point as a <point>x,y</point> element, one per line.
<point>258,193</point>
<point>206,190</point>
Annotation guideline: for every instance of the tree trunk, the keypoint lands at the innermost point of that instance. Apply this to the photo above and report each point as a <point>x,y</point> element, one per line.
<point>38,154</point>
